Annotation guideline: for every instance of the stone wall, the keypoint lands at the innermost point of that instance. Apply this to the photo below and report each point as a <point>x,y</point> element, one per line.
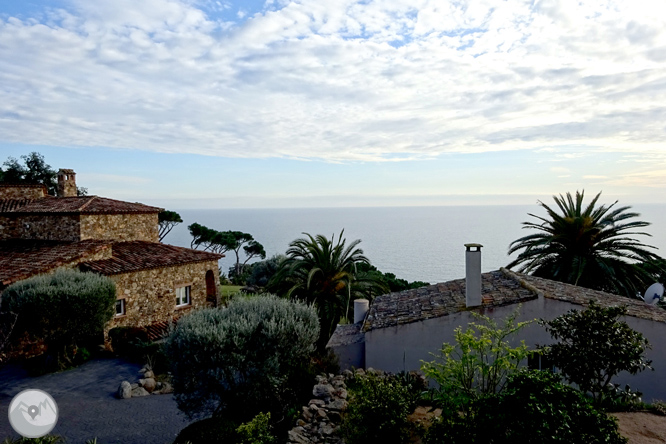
<point>22,191</point>
<point>150,295</point>
<point>120,227</point>
<point>61,227</point>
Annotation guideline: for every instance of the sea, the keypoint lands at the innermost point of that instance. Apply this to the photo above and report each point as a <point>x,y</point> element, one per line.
<point>415,243</point>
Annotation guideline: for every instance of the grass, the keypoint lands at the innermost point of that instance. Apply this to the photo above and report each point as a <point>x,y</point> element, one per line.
<point>227,291</point>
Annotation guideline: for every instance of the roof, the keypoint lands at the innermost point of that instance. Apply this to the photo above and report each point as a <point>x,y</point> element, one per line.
<point>142,255</point>
<point>23,258</point>
<point>442,299</point>
<point>11,205</point>
<point>81,205</point>
<point>499,288</point>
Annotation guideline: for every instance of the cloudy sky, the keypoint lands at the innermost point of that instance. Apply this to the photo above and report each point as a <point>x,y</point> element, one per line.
<point>216,104</point>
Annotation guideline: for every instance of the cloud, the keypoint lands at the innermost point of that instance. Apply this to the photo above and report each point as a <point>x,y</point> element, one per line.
<point>338,81</point>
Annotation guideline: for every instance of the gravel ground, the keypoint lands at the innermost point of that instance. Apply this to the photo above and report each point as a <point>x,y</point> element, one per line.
<point>88,407</point>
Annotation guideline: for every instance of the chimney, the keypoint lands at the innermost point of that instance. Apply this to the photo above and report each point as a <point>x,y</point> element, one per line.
<point>361,307</point>
<point>473,275</point>
<point>66,183</point>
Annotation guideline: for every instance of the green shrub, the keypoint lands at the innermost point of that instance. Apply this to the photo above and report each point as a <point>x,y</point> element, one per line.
<point>593,347</point>
<point>256,431</point>
<point>243,359</point>
<point>377,411</point>
<point>478,364</point>
<point>534,408</point>
<point>63,309</point>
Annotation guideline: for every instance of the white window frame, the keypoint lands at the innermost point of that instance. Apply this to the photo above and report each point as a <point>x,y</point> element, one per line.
<point>123,307</point>
<point>183,296</point>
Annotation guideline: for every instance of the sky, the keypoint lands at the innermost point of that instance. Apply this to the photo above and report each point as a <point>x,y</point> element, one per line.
<point>257,104</point>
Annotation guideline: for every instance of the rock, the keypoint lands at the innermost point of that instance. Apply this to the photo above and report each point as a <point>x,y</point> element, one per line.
<point>135,385</point>
<point>296,437</point>
<point>360,372</point>
<point>167,388</point>
<point>327,429</point>
<point>301,423</point>
<point>124,390</point>
<point>148,384</point>
<point>317,402</point>
<point>139,391</point>
<point>144,369</point>
<point>335,417</point>
<point>158,386</point>
<point>321,414</point>
<point>338,404</point>
<point>322,391</point>
<point>347,374</point>
<point>307,414</point>
<point>341,393</point>
<point>149,374</point>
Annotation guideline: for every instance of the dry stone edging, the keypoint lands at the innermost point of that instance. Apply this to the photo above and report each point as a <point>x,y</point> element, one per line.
<point>321,418</point>
<point>146,386</point>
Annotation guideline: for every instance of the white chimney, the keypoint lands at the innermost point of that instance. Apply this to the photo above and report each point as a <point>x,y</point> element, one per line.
<point>473,275</point>
<point>361,307</point>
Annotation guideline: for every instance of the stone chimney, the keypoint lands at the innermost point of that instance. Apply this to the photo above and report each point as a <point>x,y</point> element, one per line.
<point>473,275</point>
<point>361,307</point>
<point>66,183</point>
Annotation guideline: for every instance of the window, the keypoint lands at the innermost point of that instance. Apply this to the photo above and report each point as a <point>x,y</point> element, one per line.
<point>120,307</point>
<point>182,296</point>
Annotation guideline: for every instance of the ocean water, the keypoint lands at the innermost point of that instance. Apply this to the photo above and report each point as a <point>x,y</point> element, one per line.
<point>415,243</point>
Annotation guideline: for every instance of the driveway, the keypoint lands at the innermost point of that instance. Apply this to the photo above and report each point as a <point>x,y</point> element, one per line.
<point>88,407</point>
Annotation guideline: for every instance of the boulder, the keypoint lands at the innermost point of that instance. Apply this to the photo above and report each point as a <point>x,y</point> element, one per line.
<point>124,390</point>
<point>140,391</point>
<point>167,388</point>
<point>149,374</point>
<point>149,384</point>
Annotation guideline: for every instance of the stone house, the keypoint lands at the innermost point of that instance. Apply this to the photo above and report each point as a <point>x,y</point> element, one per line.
<point>399,330</point>
<point>155,282</point>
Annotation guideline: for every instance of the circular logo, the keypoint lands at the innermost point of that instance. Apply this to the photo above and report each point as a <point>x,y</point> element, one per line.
<point>33,413</point>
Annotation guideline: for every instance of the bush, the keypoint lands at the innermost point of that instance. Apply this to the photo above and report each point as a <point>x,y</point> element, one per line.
<point>63,309</point>
<point>262,272</point>
<point>479,363</point>
<point>594,346</point>
<point>243,359</point>
<point>535,408</point>
<point>256,431</point>
<point>377,410</point>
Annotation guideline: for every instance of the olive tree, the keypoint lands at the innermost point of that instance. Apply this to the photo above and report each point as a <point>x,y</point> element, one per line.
<point>62,309</point>
<point>242,359</point>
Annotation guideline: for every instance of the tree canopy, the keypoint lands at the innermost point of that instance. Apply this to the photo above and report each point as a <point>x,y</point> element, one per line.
<point>224,241</point>
<point>167,220</point>
<point>593,246</point>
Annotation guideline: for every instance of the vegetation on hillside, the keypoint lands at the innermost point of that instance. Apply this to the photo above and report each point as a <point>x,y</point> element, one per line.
<point>593,246</point>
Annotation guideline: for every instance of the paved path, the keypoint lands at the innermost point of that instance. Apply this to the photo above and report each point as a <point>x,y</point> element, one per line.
<point>88,407</point>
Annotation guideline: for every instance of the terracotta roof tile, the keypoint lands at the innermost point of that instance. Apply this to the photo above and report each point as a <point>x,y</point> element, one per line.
<point>23,258</point>
<point>10,205</point>
<point>141,255</point>
<point>82,205</point>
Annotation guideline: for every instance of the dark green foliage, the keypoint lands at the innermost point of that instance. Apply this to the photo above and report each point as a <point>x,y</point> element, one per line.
<point>64,309</point>
<point>262,272</point>
<point>324,272</point>
<point>393,283</point>
<point>256,431</point>
<point>224,241</point>
<point>535,408</point>
<point>594,346</point>
<point>34,171</point>
<point>377,411</point>
<point>238,361</point>
<point>594,247</point>
<point>167,220</point>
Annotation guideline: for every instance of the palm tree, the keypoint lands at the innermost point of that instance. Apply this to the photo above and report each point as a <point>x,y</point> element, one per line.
<point>592,247</point>
<point>322,271</point>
